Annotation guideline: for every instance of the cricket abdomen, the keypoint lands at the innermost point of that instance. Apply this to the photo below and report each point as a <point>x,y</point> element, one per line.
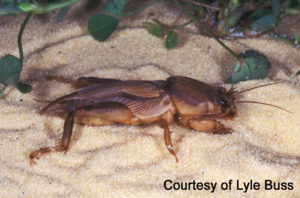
<point>104,114</point>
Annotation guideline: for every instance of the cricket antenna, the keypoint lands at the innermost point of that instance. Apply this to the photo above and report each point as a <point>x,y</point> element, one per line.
<point>246,101</point>
<point>256,87</point>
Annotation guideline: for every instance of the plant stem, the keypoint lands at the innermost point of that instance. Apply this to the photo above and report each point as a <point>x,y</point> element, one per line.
<point>39,8</point>
<point>20,36</point>
<point>207,30</point>
<point>141,8</point>
<point>177,27</point>
<point>56,5</point>
<point>202,5</point>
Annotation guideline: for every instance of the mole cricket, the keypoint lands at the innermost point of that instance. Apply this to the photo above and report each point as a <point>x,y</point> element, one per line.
<point>192,103</point>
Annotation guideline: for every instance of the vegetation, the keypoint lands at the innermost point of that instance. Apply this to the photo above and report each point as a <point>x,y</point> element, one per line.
<point>216,18</point>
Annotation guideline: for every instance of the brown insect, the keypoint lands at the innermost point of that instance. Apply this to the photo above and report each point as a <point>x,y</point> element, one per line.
<point>192,103</point>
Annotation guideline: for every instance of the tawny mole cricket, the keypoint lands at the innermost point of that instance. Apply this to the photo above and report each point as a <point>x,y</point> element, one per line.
<point>194,104</point>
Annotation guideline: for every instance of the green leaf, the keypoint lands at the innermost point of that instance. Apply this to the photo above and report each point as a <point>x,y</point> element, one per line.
<point>172,40</point>
<point>101,26</point>
<point>260,13</point>
<point>265,20</point>
<point>264,23</point>
<point>154,29</point>
<point>276,8</point>
<point>62,13</point>
<point>114,7</point>
<point>10,68</point>
<point>255,66</point>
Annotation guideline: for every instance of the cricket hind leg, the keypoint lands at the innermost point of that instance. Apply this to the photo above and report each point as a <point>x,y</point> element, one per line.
<point>63,145</point>
<point>99,114</point>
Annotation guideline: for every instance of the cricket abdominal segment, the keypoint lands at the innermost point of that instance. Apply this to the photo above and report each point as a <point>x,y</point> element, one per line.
<point>105,113</point>
<point>194,104</point>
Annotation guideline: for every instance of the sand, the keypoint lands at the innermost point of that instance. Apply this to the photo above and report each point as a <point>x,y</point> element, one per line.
<point>132,161</point>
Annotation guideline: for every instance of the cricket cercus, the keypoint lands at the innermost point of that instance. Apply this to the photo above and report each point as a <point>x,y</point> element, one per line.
<point>192,103</point>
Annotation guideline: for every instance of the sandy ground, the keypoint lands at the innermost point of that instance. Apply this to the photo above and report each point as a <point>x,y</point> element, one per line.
<point>132,161</point>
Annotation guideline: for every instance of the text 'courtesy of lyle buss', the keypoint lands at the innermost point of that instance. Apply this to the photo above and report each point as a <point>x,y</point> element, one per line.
<point>239,185</point>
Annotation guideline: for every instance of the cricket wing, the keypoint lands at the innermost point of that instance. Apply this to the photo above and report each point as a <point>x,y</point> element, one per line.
<point>133,94</point>
<point>143,107</point>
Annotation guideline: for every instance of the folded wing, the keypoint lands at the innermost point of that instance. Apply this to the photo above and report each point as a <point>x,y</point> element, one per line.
<point>144,98</point>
